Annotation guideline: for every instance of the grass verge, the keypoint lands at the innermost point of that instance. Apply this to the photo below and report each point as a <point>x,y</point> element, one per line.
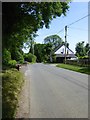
<point>12,81</point>
<point>85,70</point>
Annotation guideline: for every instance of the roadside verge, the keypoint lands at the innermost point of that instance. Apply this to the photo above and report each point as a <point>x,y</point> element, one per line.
<point>23,110</point>
<point>12,81</point>
<point>85,70</point>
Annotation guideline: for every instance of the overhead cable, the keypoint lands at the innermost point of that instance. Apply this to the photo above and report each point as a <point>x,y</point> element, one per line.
<point>79,29</point>
<point>61,30</point>
<point>78,20</point>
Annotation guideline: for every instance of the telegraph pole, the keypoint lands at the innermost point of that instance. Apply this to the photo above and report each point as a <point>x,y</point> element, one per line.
<point>33,48</point>
<point>65,41</point>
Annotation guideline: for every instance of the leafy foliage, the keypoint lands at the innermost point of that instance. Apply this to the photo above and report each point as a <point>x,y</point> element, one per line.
<point>81,49</point>
<point>39,52</point>
<point>30,57</point>
<point>12,63</point>
<point>54,40</point>
<point>6,56</point>
<point>21,20</point>
<point>16,55</point>
<point>27,18</point>
<point>87,47</point>
<point>42,51</point>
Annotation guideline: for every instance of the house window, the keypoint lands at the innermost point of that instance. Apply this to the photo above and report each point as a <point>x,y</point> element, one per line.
<point>62,52</point>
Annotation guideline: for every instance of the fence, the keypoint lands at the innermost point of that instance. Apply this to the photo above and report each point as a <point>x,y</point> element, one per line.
<point>79,62</point>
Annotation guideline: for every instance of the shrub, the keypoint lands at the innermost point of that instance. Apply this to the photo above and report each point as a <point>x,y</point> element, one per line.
<point>6,57</point>
<point>33,58</point>
<point>12,63</point>
<point>30,57</point>
<point>16,55</point>
<point>54,58</point>
<point>21,61</point>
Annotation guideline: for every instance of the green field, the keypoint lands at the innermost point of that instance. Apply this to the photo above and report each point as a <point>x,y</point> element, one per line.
<point>85,70</point>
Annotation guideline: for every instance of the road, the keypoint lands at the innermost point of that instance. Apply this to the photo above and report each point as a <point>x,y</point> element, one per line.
<point>56,92</point>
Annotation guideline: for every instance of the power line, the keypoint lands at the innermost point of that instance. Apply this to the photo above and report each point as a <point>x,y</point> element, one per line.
<point>74,23</point>
<point>74,37</point>
<point>79,29</point>
<point>61,30</point>
<point>78,20</point>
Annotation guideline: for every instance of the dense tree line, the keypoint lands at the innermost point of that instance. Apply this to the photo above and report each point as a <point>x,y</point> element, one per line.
<point>42,51</point>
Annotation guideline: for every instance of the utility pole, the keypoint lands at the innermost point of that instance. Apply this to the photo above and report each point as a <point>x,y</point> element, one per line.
<point>65,41</point>
<point>33,48</point>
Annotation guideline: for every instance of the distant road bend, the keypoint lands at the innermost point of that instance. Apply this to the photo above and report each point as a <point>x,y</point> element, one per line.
<point>56,92</point>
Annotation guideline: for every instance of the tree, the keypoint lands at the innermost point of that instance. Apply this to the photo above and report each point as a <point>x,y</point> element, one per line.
<point>21,20</point>
<point>54,40</point>
<point>47,49</point>
<point>16,55</point>
<point>6,56</point>
<point>81,49</point>
<point>87,47</point>
<point>39,51</point>
<point>42,51</point>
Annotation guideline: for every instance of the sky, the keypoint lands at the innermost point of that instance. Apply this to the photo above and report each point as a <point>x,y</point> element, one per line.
<point>76,32</point>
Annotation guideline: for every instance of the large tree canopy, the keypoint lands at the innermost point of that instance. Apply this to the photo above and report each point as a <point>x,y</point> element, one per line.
<point>21,20</point>
<point>55,41</point>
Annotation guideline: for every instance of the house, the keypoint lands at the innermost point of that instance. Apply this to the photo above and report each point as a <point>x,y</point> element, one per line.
<point>60,53</point>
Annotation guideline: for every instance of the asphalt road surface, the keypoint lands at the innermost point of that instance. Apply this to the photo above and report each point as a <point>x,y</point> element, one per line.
<point>56,92</point>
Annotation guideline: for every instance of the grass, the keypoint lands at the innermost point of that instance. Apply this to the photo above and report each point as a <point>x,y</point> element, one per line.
<point>12,81</point>
<point>85,70</point>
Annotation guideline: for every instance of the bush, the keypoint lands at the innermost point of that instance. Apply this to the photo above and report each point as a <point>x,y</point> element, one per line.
<point>16,55</point>
<point>30,57</point>
<point>12,63</point>
<point>54,58</point>
<point>21,61</point>
<point>33,58</point>
<point>6,57</point>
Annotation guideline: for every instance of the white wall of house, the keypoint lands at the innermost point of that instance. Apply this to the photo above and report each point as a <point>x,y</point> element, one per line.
<point>62,50</point>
